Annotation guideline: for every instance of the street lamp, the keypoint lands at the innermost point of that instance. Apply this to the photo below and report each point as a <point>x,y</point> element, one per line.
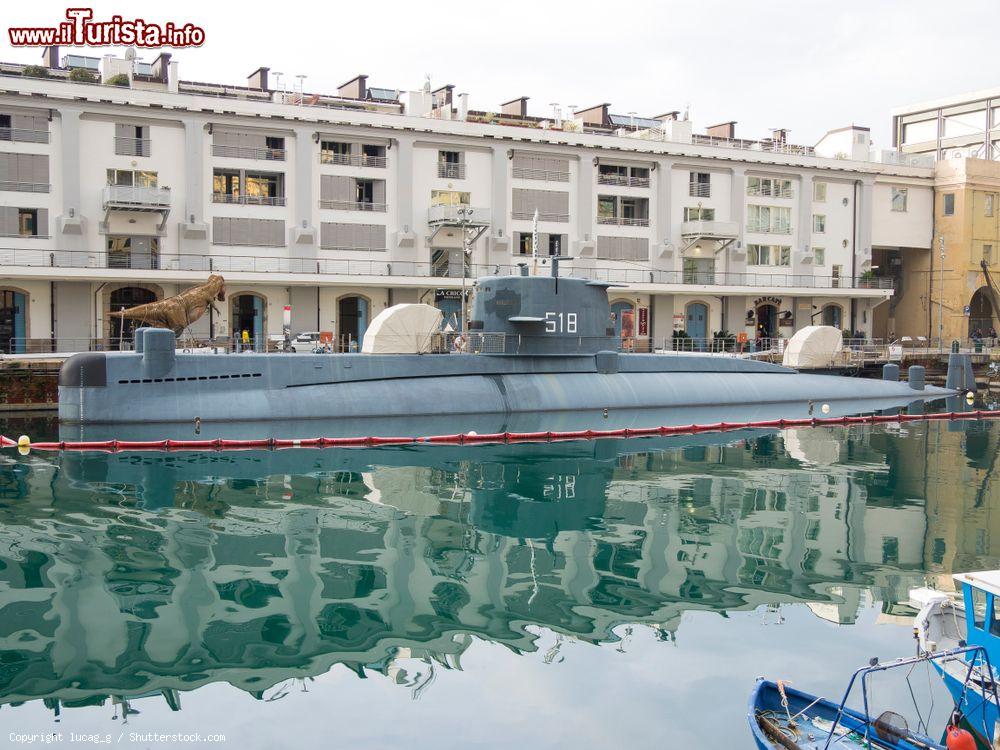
<point>302,87</point>
<point>464,217</point>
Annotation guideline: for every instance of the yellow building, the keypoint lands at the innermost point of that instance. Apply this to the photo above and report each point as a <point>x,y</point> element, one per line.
<point>967,229</point>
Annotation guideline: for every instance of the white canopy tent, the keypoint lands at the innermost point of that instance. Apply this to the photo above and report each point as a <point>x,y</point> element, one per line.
<point>814,346</point>
<point>402,329</point>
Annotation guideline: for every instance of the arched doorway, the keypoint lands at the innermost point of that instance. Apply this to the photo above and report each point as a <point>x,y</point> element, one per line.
<point>767,321</point>
<point>624,314</point>
<point>981,314</point>
<point>248,314</point>
<point>833,315</point>
<point>697,323</point>
<point>121,331</point>
<point>13,321</point>
<point>352,321</point>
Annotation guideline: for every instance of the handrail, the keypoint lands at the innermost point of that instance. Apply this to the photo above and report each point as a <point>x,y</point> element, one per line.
<point>132,146</point>
<point>248,152</point>
<point>529,215</point>
<point>700,189</point>
<point>352,160</point>
<point>353,205</point>
<point>249,200</point>
<point>622,221</point>
<point>24,135</point>
<point>622,180</point>
<point>136,195</point>
<point>768,228</point>
<point>26,257</point>
<point>770,192</point>
<point>451,171</point>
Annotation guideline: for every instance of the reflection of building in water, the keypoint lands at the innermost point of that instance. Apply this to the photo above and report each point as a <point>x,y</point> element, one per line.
<point>259,567</point>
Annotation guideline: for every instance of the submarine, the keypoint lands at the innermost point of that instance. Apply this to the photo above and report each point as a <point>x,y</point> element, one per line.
<point>534,344</point>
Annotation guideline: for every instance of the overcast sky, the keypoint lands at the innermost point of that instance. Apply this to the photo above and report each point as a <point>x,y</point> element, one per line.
<point>807,66</point>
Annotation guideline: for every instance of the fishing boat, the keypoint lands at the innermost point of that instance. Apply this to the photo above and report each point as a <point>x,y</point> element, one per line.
<point>783,718</point>
<point>970,616</point>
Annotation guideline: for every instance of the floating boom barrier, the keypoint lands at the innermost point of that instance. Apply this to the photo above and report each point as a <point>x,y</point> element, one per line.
<point>470,438</point>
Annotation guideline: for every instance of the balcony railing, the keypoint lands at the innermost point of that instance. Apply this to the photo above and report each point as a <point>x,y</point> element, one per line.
<point>132,146</point>
<point>130,196</point>
<point>623,221</point>
<point>768,228</point>
<point>530,215</point>
<point>24,135</point>
<point>622,180</point>
<point>13,258</point>
<point>25,187</point>
<point>354,206</point>
<point>249,200</point>
<point>769,192</point>
<point>458,215</point>
<point>526,173</point>
<point>700,189</point>
<point>721,229</point>
<point>451,171</point>
<point>352,160</point>
<point>248,152</point>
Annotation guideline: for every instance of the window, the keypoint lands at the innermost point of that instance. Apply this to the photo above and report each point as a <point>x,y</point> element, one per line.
<point>699,214</point>
<point>995,621</point>
<point>263,185</point>
<point>606,207</point>
<point>27,222</point>
<point>899,199</point>
<point>450,165</point>
<point>133,178</point>
<point>449,198</point>
<point>768,186</point>
<point>226,183</point>
<point>769,219</point>
<point>988,254</point>
<point>948,204</point>
<point>988,204</point>
<point>769,255</point>
<point>819,256</point>
<point>334,152</point>
<point>274,144</point>
<point>890,550</point>
<point>978,608</point>
<point>699,184</point>
<point>524,243</point>
<point>364,192</point>
<point>819,192</point>
<point>819,223</point>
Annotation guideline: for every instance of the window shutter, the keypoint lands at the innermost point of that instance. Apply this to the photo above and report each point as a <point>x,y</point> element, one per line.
<point>221,234</point>
<point>379,191</point>
<point>8,221</point>
<point>42,227</point>
<point>8,167</point>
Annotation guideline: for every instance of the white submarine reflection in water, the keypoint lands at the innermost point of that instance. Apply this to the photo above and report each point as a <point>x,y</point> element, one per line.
<point>555,351</point>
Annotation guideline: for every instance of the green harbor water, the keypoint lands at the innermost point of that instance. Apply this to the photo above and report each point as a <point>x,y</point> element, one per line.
<point>610,593</point>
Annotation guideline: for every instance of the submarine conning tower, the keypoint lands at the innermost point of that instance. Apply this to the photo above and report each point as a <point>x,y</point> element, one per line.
<point>544,314</point>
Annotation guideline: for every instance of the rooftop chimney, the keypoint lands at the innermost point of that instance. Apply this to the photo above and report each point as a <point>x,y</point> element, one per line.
<point>161,67</point>
<point>442,96</point>
<point>258,79</point>
<point>722,130</point>
<point>515,107</point>
<point>779,135</point>
<point>356,88</point>
<point>50,56</point>
<point>596,115</point>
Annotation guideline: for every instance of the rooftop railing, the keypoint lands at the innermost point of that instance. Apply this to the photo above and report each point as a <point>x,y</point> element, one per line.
<point>248,152</point>
<point>13,258</point>
<point>24,135</point>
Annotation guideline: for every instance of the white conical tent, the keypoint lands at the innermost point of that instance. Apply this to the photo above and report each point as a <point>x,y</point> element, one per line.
<point>814,346</point>
<point>402,329</point>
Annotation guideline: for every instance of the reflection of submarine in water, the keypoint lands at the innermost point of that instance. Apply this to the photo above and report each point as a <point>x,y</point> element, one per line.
<point>544,343</point>
<point>102,597</point>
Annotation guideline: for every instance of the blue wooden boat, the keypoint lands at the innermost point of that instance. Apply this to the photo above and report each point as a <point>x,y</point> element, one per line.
<point>783,718</point>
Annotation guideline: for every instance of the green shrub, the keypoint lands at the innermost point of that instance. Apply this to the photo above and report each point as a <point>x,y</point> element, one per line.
<point>83,75</point>
<point>118,80</point>
<point>35,71</point>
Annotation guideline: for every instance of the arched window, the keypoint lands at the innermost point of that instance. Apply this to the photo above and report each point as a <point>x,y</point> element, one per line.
<point>833,315</point>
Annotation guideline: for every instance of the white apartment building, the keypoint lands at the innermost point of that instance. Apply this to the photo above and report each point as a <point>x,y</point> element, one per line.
<point>341,205</point>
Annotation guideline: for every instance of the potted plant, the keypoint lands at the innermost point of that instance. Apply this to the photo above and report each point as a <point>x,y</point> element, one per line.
<point>82,75</point>
<point>723,341</point>
<point>121,79</point>
<point>682,342</point>
<point>35,71</point>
